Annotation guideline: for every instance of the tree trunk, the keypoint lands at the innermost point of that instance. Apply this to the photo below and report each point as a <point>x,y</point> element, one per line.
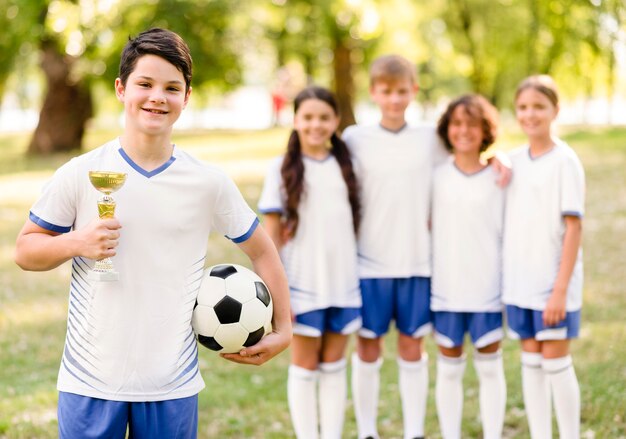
<point>66,109</point>
<point>344,83</point>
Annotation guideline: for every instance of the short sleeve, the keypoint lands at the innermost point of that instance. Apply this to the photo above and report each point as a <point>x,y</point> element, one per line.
<point>271,200</point>
<point>233,217</point>
<point>55,210</point>
<point>572,187</point>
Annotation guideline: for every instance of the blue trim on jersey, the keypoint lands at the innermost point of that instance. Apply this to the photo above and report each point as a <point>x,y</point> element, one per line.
<point>271,210</point>
<point>48,226</point>
<point>84,417</point>
<point>246,235</point>
<point>572,213</point>
<point>398,131</point>
<point>314,159</point>
<point>142,171</point>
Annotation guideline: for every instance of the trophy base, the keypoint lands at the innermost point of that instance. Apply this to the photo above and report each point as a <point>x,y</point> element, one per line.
<point>103,276</point>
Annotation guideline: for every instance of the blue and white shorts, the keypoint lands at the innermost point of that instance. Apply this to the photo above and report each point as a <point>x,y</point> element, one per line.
<point>84,417</point>
<point>339,320</point>
<point>484,328</point>
<point>526,323</point>
<point>404,300</point>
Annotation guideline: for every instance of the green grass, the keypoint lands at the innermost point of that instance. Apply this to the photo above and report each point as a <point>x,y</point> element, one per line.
<point>247,402</point>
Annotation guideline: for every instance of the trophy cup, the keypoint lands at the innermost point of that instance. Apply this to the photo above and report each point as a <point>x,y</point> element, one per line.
<point>107,183</point>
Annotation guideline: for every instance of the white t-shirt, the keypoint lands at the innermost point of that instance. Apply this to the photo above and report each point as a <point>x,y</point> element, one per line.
<point>395,175</point>
<point>320,260</point>
<point>543,190</point>
<point>468,212</point>
<point>131,339</point>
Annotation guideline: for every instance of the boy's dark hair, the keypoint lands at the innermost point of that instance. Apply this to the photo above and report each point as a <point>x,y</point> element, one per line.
<point>160,42</point>
<point>292,170</point>
<point>391,68</point>
<point>543,84</point>
<point>478,108</point>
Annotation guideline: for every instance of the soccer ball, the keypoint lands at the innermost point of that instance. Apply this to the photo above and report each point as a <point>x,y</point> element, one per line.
<point>233,309</point>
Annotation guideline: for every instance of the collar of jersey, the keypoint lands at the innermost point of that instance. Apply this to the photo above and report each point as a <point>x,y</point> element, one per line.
<point>142,171</point>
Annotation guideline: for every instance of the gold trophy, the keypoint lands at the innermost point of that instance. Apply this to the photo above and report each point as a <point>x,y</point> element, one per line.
<point>107,183</point>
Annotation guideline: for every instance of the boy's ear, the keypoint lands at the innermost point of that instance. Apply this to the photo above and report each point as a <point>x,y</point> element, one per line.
<point>119,90</point>
<point>187,95</point>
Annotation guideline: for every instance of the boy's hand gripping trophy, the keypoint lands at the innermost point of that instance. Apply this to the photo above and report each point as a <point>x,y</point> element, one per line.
<point>107,183</point>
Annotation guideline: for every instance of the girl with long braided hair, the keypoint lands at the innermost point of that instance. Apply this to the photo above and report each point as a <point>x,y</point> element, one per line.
<point>311,208</point>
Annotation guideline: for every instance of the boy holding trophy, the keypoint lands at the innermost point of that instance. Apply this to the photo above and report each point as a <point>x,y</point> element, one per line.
<point>130,358</point>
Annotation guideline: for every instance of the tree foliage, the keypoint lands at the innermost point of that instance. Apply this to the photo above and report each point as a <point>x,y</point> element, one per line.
<point>79,43</point>
<point>485,46</point>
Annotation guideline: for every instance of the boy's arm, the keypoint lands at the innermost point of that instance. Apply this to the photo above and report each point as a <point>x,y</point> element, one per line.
<point>271,224</point>
<point>39,249</point>
<point>266,263</point>
<point>556,307</point>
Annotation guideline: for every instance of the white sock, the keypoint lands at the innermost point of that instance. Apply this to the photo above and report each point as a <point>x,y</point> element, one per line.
<point>563,383</point>
<point>490,372</point>
<point>333,388</point>
<point>449,395</point>
<point>365,390</point>
<point>302,396</point>
<point>536,396</point>
<point>413,377</point>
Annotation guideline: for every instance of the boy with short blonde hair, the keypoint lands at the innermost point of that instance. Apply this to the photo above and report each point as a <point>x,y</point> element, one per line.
<point>395,163</point>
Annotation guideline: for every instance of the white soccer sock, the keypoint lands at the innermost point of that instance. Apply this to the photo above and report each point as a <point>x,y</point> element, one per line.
<point>333,388</point>
<point>536,396</point>
<point>490,371</point>
<point>413,377</point>
<point>302,396</point>
<point>563,383</point>
<point>449,395</point>
<point>365,390</point>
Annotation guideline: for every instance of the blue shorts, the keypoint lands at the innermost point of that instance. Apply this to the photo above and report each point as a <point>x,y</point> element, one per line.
<point>484,328</point>
<point>338,320</point>
<point>526,323</point>
<point>405,300</point>
<point>83,417</point>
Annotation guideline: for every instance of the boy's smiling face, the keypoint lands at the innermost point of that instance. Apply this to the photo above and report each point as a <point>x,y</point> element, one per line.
<point>393,97</point>
<point>154,96</point>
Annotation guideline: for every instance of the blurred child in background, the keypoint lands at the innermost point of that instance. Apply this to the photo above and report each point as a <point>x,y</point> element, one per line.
<point>311,212</point>
<point>543,271</point>
<point>467,217</point>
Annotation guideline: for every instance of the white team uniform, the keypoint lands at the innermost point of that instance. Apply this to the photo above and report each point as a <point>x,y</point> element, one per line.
<point>543,190</point>
<point>320,260</point>
<point>468,212</point>
<point>131,339</point>
<point>395,173</point>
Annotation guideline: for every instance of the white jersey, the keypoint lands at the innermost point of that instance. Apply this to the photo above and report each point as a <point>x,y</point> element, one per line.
<point>395,172</point>
<point>468,212</point>
<point>131,339</point>
<point>320,260</point>
<point>543,190</point>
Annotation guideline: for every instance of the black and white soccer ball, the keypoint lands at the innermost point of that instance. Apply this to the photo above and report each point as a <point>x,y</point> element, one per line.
<point>233,309</point>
